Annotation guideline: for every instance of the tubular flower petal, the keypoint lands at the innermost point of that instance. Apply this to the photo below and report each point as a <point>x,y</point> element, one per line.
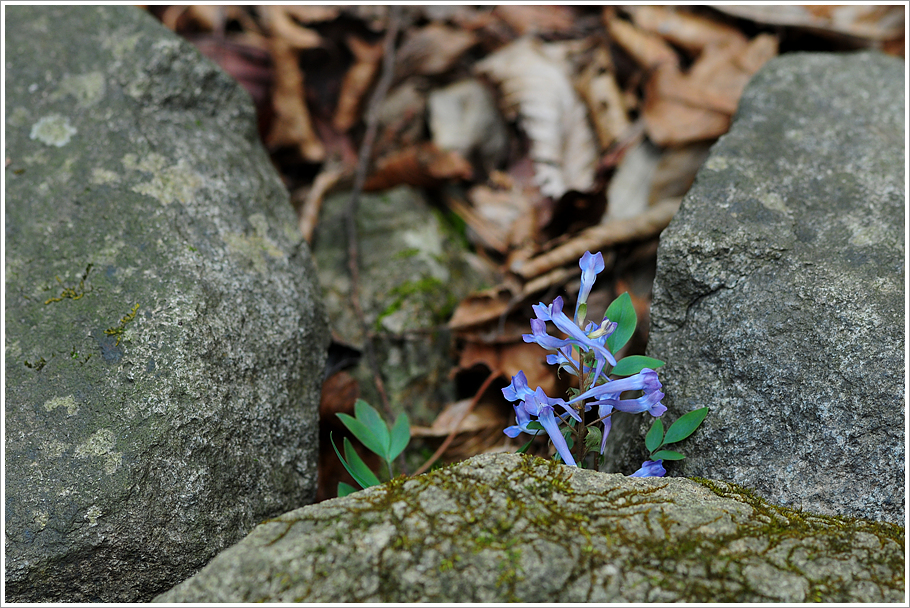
<point>604,409</point>
<point>518,389</point>
<point>645,380</point>
<point>650,468</point>
<point>649,402</point>
<point>591,266</point>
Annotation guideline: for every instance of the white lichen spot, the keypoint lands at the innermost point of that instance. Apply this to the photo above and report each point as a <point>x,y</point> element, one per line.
<point>92,515</point>
<point>774,202</point>
<point>103,176</point>
<point>252,246</point>
<point>87,89</point>
<point>41,518</point>
<point>168,184</point>
<point>53,130</point>
<point>69,402</point>
<point>101,445</point>
<point>716,163</point>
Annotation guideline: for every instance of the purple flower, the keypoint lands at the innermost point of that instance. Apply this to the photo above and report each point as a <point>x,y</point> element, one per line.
<point>518,389</point>
<point>650,468</point>
<point>645,380</point>
<point>577,336</point>
<point>536,403</point>
<point>591,266</point>
<point>649,402</point>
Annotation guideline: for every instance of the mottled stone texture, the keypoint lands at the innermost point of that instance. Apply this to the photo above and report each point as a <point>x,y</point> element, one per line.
<point>779,296</point>
<point>509,527</point>
<point>165,341</point>
<point>413,272</point>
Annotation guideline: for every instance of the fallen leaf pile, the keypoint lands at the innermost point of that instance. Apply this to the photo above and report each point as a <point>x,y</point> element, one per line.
<point>548,130</point>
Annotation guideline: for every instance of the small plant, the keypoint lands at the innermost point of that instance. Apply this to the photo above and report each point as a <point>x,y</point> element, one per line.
<point>368,426</point>
<point>587,352</point>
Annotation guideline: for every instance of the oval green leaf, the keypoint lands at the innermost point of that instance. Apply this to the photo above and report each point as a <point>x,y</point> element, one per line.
<point>345,489</point>
<point>623,314</point>
<point>634,364</point>
<point>654,438</point>
<point>370,416</point>
<point>667,455</point>
<point>359,466</point>
<point>363,434</point>
<point>362,482</point>
<point>401,435</point>
<point>686,425</point>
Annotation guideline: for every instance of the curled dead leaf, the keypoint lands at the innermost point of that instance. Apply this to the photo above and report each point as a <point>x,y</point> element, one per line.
<point>432,49</point>
<point>357,81</point>
<point>421,166</point>
<point>686,30</point>
<point>646,49</point>
<point>550,112</point>
<point>602,95</point>
<point>291,126</point>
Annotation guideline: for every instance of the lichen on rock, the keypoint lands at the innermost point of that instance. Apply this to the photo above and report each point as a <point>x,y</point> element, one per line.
<point>504,527</point>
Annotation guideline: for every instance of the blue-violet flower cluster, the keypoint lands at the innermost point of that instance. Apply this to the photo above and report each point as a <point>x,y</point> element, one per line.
<point>584,352</point>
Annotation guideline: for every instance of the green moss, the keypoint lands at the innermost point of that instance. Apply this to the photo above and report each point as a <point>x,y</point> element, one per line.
<point>118,330</point>
<point>75,292</point>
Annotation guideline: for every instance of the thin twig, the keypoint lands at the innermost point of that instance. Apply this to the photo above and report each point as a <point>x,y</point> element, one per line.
<point>642,226</point>
<point>366,149</point>
<point>445,444</point>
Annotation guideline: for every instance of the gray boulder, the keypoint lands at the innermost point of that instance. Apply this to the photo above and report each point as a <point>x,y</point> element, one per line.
<point>165,340</point>
<point>509,527</point>
<point>779,296</point>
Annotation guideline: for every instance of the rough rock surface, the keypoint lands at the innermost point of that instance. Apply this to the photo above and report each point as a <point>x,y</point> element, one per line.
<point>508,527</point>
<point>165,341</point>
<point>413,273</point>
<point>779,296</point>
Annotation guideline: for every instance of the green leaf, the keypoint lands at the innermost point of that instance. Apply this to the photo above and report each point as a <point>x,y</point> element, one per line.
<point>654,438</point>
<point>524,448</point>
<point>593,439</point>
<point>634,364</point>
<point>667,455</point>
<point>623,314</point>
<point>535,426</point>
<point>401,435</point>
<point>362,482</point>
<point>345,489</point>
<point>358,465</point>
<point>370,416</point>
<point>686,425</point>
<point>363,434</point>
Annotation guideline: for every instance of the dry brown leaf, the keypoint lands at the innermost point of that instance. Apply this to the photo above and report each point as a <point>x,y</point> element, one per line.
<point>282,25</point>
<point>490,235</point>
<point>463,117</point>
<point>597,86</point>
<point>452,418</point>
<point>866,21</point>
<point>539,88</point>
<point>357,81</point>
<point>482,307</point>
<point>676,171</point>
<point>646,225</point>
<point>291,125</point>
<point>432,49</point>
<point>627,194</point>
<point>421,166</point>
<point>647,49</point>
<point>687,31</point>
<point>671,122</point>
<point>311,13</point>
<point>510,358</point>
<point>536,19</point>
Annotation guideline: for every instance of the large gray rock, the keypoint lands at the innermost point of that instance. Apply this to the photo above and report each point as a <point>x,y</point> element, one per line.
<point>508,527</point>
<point>779,296</point>
<point>165,341</point>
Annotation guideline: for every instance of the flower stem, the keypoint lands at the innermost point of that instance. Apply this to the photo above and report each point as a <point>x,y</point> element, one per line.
<point>582,429</point>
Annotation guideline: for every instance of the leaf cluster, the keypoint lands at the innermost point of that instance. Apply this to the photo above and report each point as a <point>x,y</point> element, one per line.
<point>371,430</point>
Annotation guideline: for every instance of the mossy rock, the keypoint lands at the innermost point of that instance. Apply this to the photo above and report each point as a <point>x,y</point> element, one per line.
<point>507,527</point>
